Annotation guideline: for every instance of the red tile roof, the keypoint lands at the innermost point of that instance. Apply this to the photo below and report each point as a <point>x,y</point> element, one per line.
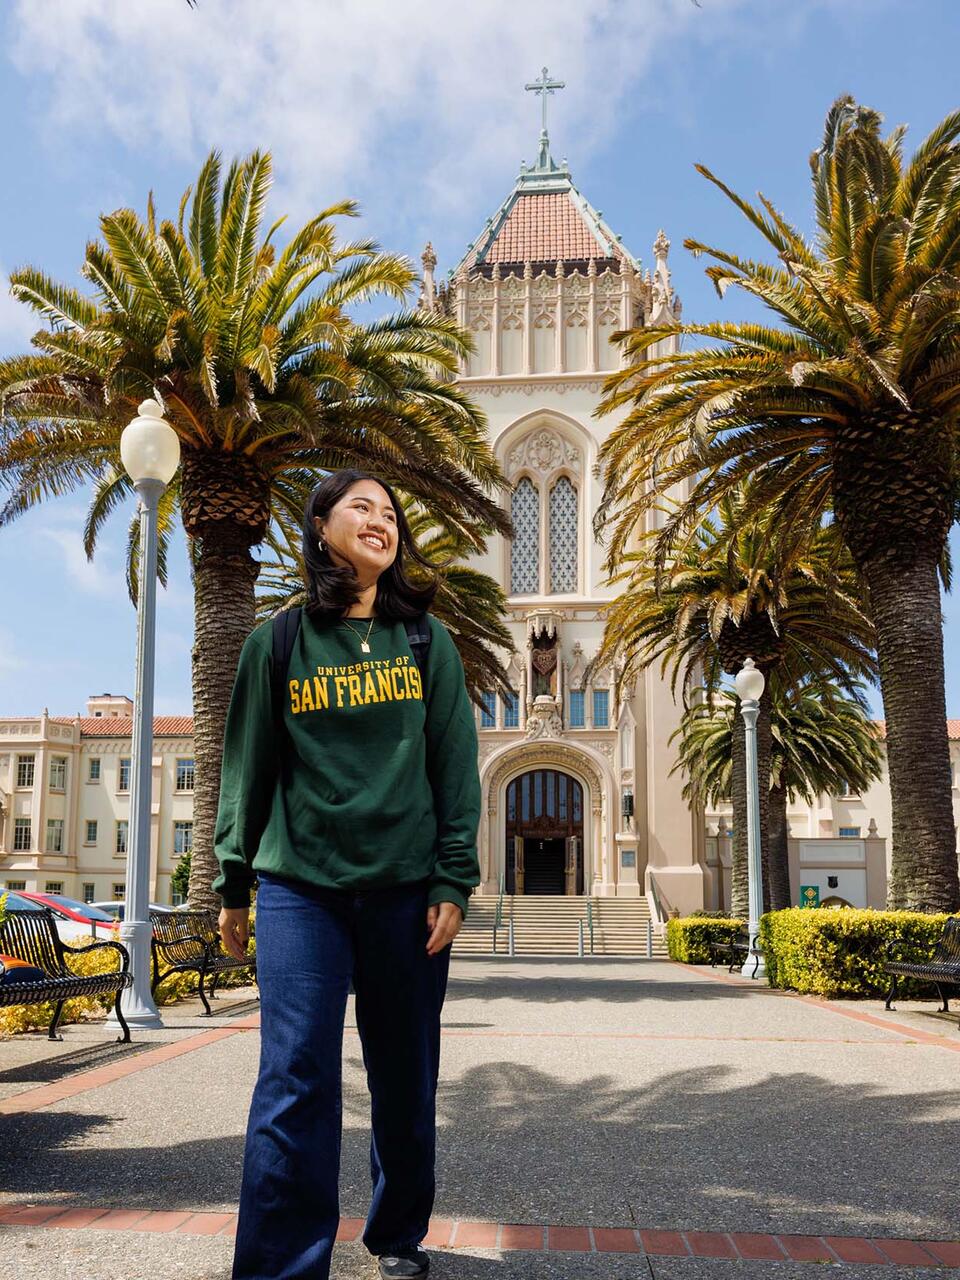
<point>122,726</point>
<point>544,227</point>
<point>953,729</point>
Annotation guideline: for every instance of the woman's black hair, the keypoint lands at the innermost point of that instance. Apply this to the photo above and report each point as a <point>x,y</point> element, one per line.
<point>332,589</point>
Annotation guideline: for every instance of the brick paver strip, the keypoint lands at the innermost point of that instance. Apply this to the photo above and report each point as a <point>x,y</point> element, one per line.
<point>454,1234</point>
<point>670,1243</point>
<point>807,1248</point>
<point>204,1224</point>
<point>615,1240</point>
<point>569,1239</point>
<point>45,1095</point>
<point>476,1235</point>
<point>438,1237</point>
<point>513,1236</point>
<point>907,1253</point>
<point>709,1244</point>
<point>758,1247</point>
<point>854,1249</point>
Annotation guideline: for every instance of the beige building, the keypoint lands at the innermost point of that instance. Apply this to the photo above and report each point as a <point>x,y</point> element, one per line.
<point>65,800</point>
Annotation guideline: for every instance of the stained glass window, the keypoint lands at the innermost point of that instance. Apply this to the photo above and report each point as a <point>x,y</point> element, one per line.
<point>563,536</point>
<point>525,549</point>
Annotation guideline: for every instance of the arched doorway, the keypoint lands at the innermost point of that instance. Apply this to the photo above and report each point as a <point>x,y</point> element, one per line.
<point>544,835</point>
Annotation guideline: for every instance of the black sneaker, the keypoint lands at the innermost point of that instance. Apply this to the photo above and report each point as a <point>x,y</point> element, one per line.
<point>405,1262</point>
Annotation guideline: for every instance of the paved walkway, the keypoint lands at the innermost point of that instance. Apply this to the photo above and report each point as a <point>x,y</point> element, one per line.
<point>597,1118</point>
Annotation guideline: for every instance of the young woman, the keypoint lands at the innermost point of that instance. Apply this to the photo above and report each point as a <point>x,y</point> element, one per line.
<point>355,804</point>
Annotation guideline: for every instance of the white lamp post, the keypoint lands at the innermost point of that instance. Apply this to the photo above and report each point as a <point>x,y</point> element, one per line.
<point>150,451</point>
<point>750,685</point>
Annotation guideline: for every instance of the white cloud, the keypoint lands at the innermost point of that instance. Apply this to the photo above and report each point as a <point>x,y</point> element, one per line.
<point>417,107</point>
<point>10,659</point>
<point>93,577</point>
<point>18,323</point>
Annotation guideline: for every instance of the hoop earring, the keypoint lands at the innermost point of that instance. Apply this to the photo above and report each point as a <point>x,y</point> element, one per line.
<point>320,544</point>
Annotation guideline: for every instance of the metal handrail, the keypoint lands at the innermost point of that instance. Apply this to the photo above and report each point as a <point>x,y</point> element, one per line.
<point>661,914</point>
<point>498,918</point>
<point>590,921</point>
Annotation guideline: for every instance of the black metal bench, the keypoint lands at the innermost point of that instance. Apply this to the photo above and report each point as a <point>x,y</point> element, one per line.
<point>733,951</point>
<point>189,942</point>
<point>942,969</point>
<point>32,936</point>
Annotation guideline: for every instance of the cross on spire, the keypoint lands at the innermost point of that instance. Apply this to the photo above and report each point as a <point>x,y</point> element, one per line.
<point>544,86</point>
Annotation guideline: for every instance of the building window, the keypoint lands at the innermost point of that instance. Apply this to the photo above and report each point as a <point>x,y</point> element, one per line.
<point>184,775</point>
<point>850,833</point>
<point>93,769</point>
<point>16,886</point>
<point>511,711</point>
<point>21,834</point>
<point>847,792</point>
<point>488,712</point>
<point>53,886</point>
<point>119,890</point>
<point>564,541</point>
<point>54,835</point>
<point>124,782</point>
<point>58,773</point>
<point>91,831</point>
<point>122,828</point>
<point>25,771</point>
<point>182,837</point>
<point>575,698</point>
<point>89,891</point>
<point>525,547</point>
<point>601,708</point>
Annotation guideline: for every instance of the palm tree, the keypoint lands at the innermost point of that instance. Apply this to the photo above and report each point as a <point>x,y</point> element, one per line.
<point>470,604</point>
<point>253,355</point>
<point>849,404</point>
<point>822,741</point>
<point>723,598</point>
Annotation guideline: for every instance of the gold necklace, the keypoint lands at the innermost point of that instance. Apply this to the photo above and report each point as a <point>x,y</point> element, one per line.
<point>364,643</point>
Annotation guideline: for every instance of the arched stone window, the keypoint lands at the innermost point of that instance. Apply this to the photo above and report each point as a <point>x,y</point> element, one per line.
<point>563,537</point>
<point>525,549</point>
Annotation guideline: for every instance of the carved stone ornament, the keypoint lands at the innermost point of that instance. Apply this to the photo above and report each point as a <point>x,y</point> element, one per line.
<point>544,451</point>
<point>543,721</point>
<point>501,388</point>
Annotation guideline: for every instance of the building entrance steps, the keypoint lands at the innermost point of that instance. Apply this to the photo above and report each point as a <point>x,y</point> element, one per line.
<point>549,926</point>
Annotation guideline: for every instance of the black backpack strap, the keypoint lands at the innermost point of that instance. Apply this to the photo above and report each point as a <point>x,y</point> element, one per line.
<point>286,625</point>
<point>418,634</point>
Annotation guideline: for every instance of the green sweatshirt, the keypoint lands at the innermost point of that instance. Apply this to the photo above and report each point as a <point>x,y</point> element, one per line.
<point>380,784</point>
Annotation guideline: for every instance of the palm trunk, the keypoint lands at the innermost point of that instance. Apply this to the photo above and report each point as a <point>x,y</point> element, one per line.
<point>739,893</point>
<point>905,603</point>
<point>224,613</point>
<point>779,862</point>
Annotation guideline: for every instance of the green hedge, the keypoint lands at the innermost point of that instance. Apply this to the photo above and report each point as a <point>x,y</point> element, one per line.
<point>688,937</point>
<point>841,951</point>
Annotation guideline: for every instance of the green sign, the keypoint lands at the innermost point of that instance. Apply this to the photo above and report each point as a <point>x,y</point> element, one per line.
<point>809,895</point>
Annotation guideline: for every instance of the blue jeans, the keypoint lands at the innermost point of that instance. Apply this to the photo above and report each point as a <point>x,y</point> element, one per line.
<point>311,944</point>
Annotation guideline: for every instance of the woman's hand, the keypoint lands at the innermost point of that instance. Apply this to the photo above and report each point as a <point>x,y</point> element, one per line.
<point>234,925</point>
<point>443,920</point>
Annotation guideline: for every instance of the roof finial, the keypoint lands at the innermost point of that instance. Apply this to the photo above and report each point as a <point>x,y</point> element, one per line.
<point>543,87</point>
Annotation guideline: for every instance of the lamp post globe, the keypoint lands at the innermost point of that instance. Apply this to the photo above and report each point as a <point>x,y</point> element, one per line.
<point>150,452</point>
<point>750,684</point>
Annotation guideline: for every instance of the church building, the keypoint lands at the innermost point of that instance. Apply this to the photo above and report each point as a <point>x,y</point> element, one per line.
<point>578,796</point>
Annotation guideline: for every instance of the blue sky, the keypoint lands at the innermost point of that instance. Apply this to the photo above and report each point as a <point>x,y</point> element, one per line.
<point>418,111</point>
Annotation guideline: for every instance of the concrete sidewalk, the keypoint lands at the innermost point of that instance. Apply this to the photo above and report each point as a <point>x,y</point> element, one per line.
<point>597,1118</point>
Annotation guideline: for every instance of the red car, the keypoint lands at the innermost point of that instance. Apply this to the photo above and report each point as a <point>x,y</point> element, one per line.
<point>78,912</point>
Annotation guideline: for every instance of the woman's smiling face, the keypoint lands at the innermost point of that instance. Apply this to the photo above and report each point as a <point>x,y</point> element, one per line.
<point>361,529</point>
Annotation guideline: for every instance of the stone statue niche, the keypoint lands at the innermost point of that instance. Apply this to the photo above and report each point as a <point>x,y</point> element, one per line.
<point>543,656</point>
